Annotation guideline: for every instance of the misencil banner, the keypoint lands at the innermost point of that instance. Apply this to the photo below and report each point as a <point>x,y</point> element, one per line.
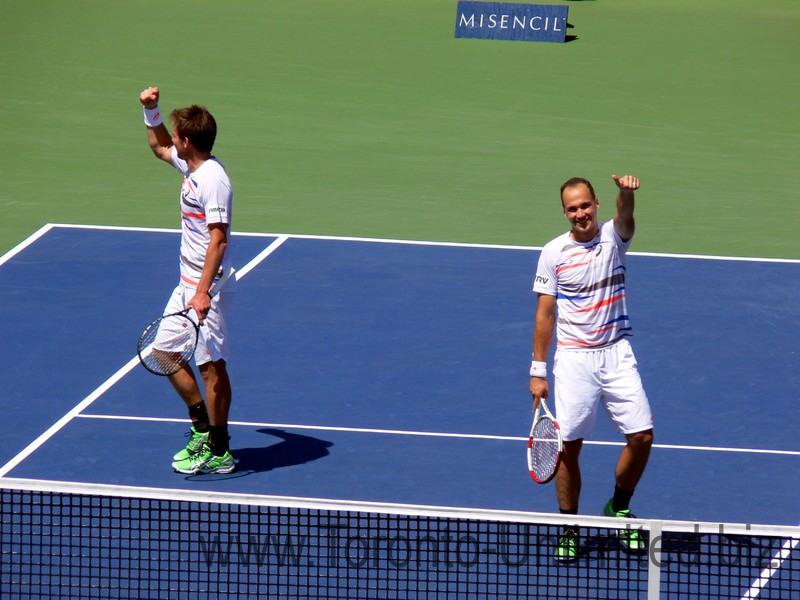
<point>511,21</point>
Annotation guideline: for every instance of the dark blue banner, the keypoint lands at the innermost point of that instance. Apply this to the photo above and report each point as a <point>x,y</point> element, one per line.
<point>510,21</point>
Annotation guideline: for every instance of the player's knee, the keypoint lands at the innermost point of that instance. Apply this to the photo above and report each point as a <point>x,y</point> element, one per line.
<point>572,451</point>
<point>642,440</point>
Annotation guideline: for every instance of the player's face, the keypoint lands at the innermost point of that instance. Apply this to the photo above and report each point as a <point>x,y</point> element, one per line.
<point>179,143</point>
<point>580,208</point>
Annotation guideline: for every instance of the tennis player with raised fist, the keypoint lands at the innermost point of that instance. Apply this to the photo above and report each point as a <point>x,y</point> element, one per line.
<point>206,199</point>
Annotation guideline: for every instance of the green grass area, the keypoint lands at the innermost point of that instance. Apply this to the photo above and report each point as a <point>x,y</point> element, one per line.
<point>369,118</point>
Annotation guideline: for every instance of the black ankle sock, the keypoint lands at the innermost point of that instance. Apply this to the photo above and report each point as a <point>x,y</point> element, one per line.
<point>199,416</point>
<point>218,439</point>
<point>621,499</point>
<point>569,529</point>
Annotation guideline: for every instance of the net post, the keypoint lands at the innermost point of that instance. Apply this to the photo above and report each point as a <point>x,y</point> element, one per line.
<point>654,561</point>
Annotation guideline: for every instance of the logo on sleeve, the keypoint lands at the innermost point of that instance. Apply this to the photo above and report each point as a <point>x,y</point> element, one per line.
<point>542,280</point>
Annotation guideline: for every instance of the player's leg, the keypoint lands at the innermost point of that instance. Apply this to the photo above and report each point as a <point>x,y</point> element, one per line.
<point>577,396</point>
<point>568,493</point>
<point>630,468</point>
<point>184,380</point>
<point>213,350</point>
<point>633,460</point>
<point>215,456</point>
<point>568,478</point>
<point>628,408</point>
<point>185,384</point>
<point>576,399</point>
<point>218,400</point>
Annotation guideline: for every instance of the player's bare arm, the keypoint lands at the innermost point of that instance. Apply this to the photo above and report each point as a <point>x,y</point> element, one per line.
<point>623,219</point>
<point>542,338</point>
<point>158,136</point>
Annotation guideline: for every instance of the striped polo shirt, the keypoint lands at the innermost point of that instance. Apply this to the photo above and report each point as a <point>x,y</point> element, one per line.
<point>588,281</point>
<point>206,197</point>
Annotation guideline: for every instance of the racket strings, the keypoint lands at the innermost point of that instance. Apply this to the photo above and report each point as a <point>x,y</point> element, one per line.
<point>544,451</point>
<point>168,344</point>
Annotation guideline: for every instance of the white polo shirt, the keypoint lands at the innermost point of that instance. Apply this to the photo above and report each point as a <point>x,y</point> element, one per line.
<point>588,281</point>
<point>206,198</point>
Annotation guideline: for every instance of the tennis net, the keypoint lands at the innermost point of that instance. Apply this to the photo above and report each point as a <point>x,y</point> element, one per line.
<point>72,540</point>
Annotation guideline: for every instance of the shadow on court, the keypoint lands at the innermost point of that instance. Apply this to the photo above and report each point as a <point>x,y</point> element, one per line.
<point>293,449</point>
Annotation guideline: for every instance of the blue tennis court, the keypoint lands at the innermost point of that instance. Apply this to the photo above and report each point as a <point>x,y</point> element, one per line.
<point>387,371</point>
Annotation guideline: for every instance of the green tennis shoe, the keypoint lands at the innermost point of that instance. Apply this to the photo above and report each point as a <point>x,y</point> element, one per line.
<point>205,462</point>
<point>194,446</point>
<point>630,539</point>
<point>568,546</point>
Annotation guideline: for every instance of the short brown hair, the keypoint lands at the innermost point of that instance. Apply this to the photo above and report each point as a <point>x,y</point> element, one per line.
<point>577,181</point>
<point>197,124</point>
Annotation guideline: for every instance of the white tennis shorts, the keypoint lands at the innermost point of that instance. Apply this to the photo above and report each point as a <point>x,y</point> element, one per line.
<point>586,378</point>
<point>213,342</point>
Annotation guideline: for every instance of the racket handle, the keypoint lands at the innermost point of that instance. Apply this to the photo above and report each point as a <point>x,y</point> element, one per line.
<point>220,283</point>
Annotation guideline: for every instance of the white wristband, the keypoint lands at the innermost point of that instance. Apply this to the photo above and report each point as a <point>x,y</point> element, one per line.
<point>152,116</point>
<point>538,369</point>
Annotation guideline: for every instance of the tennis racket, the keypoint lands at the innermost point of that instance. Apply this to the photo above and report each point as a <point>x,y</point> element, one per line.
<point>544,445</point>
<point>169,342</point>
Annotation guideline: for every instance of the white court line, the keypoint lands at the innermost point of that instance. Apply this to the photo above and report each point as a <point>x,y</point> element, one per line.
<point>422,243</point>
<point>25,243</point>
<point>473,436</point>
<point>129,366</point>
<point>58,425</point>
<point>774,566</point>
<point>529,248</point>
<point>261,256</point>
